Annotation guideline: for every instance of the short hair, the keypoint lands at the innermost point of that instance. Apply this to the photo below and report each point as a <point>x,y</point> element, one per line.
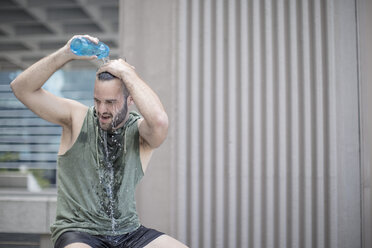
<point>107,76</point>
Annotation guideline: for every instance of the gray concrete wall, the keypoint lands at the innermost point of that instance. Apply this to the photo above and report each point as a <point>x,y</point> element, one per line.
<point>365,83</point>
<point>147,40</point>
<point>263,102</point>
<point>26,212</point>
<point>324,201</point>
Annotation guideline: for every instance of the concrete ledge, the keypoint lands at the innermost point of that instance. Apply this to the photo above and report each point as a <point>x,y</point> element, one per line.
<point>13,180</point>
<point>19,180</point>
<point>24,212</point>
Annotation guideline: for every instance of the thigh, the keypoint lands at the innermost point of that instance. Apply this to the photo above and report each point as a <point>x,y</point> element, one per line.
<point>140,237</point>
<point>78,239</point>
<point>78,245</point>
<point>165,241</point>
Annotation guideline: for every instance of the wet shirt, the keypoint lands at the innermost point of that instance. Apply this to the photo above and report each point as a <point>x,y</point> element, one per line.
<point>96,180</point>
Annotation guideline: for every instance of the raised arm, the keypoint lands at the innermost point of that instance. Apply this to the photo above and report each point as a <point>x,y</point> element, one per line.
<point>27,87</point>
<point>154,127</point>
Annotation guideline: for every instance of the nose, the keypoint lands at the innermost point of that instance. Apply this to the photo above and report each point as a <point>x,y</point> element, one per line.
<point>101,108</point>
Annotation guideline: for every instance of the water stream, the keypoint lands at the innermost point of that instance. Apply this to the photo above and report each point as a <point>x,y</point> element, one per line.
<point>105,60</point>
<point>111,147</point>
<point>106,173</point>
<point>109,186</point>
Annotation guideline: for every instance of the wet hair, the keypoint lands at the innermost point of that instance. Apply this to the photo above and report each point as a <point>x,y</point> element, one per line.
<point>107,76</point>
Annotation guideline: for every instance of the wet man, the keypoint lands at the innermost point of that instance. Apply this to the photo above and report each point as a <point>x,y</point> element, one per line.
<point>103,154</point>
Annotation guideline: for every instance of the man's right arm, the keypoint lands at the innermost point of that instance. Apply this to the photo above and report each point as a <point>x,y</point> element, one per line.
<point>27,87</point>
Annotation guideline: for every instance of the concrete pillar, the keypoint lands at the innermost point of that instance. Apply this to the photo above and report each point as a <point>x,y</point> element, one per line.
<point>147,40</point>
<point>365,84</point>
<point>263,101</point>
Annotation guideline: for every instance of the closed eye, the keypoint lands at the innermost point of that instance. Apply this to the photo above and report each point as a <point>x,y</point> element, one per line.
<point>110,101</point>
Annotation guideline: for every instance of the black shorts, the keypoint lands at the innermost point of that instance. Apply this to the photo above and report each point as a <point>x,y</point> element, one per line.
<point>136,239</point>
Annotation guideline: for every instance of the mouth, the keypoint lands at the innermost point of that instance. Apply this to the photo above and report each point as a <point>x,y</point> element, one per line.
<point>105,118</point>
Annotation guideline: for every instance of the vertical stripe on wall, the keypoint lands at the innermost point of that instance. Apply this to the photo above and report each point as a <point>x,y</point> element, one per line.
<point>256,158</point>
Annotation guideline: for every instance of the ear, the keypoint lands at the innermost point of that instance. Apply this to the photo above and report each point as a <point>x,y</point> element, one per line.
<point>130,101</point>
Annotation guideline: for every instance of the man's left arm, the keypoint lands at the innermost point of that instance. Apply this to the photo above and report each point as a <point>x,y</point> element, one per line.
<point>154,127</point>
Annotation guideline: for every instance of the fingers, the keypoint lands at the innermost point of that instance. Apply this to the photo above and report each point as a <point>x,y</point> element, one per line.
<point>107,67</point>
<point>102,69</point>
<point>88,57</point>
<point>124,61</point>
<point>118,68</point>
<point>91,38</point>
<point>95,40</point>
<point>115,64</point>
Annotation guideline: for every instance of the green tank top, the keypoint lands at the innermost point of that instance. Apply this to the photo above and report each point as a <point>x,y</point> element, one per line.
<point>96,196</point>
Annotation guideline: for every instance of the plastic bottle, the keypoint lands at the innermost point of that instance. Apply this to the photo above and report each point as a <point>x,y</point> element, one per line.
<point>84,47</point>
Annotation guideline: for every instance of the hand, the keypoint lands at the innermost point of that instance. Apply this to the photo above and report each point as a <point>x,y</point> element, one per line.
<point>74,56</point>
<point>120,69</point>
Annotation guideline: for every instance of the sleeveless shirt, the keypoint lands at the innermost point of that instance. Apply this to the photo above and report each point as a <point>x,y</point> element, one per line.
<point>96,180</point>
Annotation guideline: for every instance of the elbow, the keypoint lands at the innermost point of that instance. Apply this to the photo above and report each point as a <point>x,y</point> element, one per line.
<point>14,88</point>
<point>162,122</point>
<point>162,125</point>
<point>20,88</point>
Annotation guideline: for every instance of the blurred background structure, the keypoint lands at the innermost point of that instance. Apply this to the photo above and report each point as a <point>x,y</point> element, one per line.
<point>30,30</point>
<point>33,29</point>
<point>270,129</point>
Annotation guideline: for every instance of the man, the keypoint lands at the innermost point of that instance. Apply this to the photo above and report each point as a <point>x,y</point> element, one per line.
<point>104,152</point>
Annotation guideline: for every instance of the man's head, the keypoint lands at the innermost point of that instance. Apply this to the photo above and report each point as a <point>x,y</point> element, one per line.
<point>110,101</point>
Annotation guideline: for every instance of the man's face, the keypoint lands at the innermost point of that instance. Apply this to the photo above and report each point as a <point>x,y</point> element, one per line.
<point>110,105</point>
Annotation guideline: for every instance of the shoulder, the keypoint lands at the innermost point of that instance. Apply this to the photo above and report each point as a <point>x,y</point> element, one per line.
<point>134,120</point>
<point>72,129</point>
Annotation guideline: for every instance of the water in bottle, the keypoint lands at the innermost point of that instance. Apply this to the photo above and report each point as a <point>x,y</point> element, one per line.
<point>84,47</point>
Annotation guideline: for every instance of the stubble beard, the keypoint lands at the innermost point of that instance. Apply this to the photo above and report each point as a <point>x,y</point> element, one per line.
<point>116,120</point>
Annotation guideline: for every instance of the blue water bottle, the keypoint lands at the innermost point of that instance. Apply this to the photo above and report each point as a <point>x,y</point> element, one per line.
<point>84,47</point>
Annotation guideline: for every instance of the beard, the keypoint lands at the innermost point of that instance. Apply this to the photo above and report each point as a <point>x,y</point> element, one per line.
<point>120,116</point>
<point>116,120</point>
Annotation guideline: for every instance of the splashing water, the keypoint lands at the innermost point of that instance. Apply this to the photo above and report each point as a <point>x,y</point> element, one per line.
<point>111,144</point>
<point>110,184</point>
<point>106,60</point>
